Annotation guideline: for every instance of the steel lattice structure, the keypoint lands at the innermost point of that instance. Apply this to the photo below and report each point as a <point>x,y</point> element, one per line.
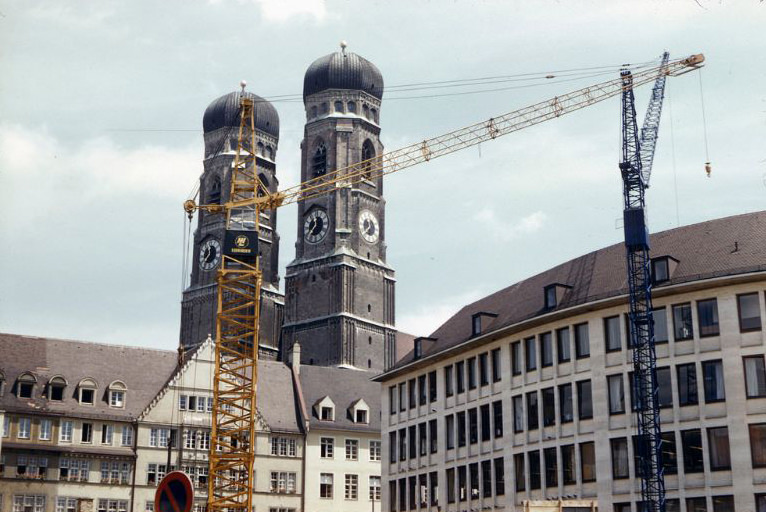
<point>650,129</point>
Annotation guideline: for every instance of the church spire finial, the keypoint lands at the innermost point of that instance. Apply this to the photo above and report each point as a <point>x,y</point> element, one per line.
<point>343,45</point>
<point>243,84</point>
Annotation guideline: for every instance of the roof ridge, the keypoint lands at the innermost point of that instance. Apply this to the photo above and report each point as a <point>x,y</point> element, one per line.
<point>87,342</point>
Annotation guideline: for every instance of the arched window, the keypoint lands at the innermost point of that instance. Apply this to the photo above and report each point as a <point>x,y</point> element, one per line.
<point>265,182</point>
<point>260,150</point>
<point>351,107</point>
<point>25,385</point>
<point>339,106</point>
<point>368,153</point>
<point>214,196</point>
<point>319,161</point>
<point>117,392</point>
<point>86,391</point>
<point>56,387</point>
<point>366,111</point>
<point>374,114</point>
<point>270,153</point>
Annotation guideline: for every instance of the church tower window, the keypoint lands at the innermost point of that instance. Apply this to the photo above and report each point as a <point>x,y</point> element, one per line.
<point>351,107</point>
<point>339,106</point>
<point>319,162</point>
<point>214,196</point>
<point>368,153</point>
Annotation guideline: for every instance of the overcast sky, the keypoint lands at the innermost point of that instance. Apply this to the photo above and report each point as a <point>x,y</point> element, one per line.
<point>101,109</point>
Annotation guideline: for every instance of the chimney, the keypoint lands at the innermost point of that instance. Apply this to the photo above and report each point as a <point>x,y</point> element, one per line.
<point>295,358</point>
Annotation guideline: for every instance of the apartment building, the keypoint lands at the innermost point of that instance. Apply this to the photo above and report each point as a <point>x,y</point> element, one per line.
<point>526,394</point>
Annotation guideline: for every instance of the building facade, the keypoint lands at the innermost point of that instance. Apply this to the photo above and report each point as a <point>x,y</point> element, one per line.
<point>526,394</point>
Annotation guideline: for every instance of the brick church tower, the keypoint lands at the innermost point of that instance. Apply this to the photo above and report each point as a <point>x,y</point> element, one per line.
<point>198,308</point>
<point>339,291</point>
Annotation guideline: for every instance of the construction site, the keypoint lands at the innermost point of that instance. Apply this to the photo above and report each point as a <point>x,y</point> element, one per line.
<point>625,375</point>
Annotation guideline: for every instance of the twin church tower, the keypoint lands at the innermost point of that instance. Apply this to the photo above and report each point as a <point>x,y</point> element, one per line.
<point>339,291</point>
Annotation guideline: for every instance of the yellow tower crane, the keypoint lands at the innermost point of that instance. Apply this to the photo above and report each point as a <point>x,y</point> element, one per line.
<point>230,483</point>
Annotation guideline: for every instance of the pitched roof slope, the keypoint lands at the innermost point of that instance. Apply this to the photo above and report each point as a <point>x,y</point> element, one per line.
<point>143,370</point>
<point>344,386</point>
<point>721,247</point>
<point>276,399</point>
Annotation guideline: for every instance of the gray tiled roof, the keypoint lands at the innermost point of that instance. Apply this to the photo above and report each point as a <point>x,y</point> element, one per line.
<point>721,247</point>
<point>143,370</point>
<point>276,397</point>
<point>344,386</point>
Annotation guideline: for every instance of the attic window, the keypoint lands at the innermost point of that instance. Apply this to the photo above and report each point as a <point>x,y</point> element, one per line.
<point>418,348</point>
<point>117,394</point>
<point>550,297</point>
<point>361,416</point>
<point>326,413</point>
<point>56,387</point>
<point>477,322</point>
<point>660,271</point>
<point>87,391</point>
<point>553,294</point>
<point>25,386</point>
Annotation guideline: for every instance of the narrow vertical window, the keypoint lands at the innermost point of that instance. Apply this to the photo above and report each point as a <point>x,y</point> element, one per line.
<point>568,473</point>
<point>612,336</point>
<point>518,413</point>
<point>584,400</point>
<point>619,458</point>
<point>549,407</point>
<point>660,319</point>
<point>712,372</point>
<point>532,414</point>
<point>497,373</point>
<point>520,474</point>
<point>535,479</point>
<point>749,310</point>
<point>691,441</point>
<point>319,161</point>
<point>718,448</point>
<point>755,376</point>
<point>687,384</point>
<point>565,403</point>
<point>551,467</point>
<point>530,348</point>
<point>563,344</point>
<point>707,316</point>
<point>682,322</point>
<point>616,390</point>
<point>582,341</point>
<point>546,349</point>
<point>588,462</point>
<point>449,382</point>
<point>516,359</point>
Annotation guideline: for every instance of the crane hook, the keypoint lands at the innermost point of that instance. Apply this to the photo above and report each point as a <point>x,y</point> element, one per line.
<point>708,169</point>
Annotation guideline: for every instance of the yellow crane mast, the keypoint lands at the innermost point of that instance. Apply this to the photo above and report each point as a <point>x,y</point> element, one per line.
<point>230,484</point>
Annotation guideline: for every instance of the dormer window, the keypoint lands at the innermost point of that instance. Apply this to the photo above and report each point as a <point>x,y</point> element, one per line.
<point>359,411</point>
<point>324,409</point>
<point>26,385</point>
<point>480,321</point>
<point>86,392</point>
<point>361,416</point>
<point>117,394</point>
<point>553,294</point>
<point>56,387</point>
<point>421,344</point>
<point>326,413</point>
<point>662,269</point>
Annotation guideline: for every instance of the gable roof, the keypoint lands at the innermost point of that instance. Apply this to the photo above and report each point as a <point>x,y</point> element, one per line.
<point>722,247</point>
<point>77,360</point>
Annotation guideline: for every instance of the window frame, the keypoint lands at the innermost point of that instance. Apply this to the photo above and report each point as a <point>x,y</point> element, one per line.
<point>707,331</point>
<point>758,307</point>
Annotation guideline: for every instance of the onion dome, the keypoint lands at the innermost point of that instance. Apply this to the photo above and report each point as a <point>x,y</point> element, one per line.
<point>342,70</point>
<point>225,112</point>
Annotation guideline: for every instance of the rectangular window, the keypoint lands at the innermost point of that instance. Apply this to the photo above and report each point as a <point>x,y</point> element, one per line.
<point>497,372</point>
<point>664,388</point>
<point>470,364</point>
<point>486,428</point>
<point>519,472</point>
<point>518,413</point>
<point>568,473</point>
<point>449,426</point>
<point>392,447</point>
<point>546,349</point>
<point>588,462</point>
<point>584,400</point>
<point>450,486</point>
<point>352,487</point>
<point>687,384</point>
<point>718,447</point>
<point>483,369</point>
<point>352,449</point>
<point>582,341</point>
<point>669,454</point>
<point>760,503</point>
<point>712,372</point>
<point>565,403</point>
<point>691,441</point>
<point>660,318</point>
<point>473,474</point>
<point>127,435</point>
<point>462,483</point>
<point>412,441</point>
<point>374,494</point>
<point>707,316</point>
<point>402,396</point>
<point>460,376</point>
<point>182,400</point>
<point>107,433</point>
<point>532,414</point>
<point>563,344</point>
<point>392,399</point>
<point>619,458</point>
<point>516,358</point>
<point>433,487</point>
<point>531,350</point>
<point>402,494</point>
<point>411,386</point>
<point>86,434</point>
<point>612,338</point>
<point>486,478</point>
<point>755,376</point>
<point>499,477</point>
<point>749,310</point>
<point>723,503</point>
<point>422,439</point>
<point>535,480</point>
<point>551,467</point>
<point>433,436</point>
<point>549,406</point>
<point>758,444</point>
<point>422,391</point>
<point>473,426</point>
<point>45,430</point>
<point>615,385</point>
<point>326,447</point>
<point>449,382</point>
<point>696,504</point>
<point>497,418</point>
<point>461,428</point>
<point>6,424</point>
<point>325,485</point>
<point>432,386</point>
<point>682,322</point>
<point>24,428</point>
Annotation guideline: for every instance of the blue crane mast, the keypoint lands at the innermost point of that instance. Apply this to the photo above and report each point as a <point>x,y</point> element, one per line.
<point>637,156</point>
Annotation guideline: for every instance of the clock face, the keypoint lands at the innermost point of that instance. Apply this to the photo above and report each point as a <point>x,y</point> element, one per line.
<point>368,226</point>
<point>315,226</point>
<point>209,254</point>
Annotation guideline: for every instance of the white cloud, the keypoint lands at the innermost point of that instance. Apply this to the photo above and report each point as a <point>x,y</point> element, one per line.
<point>506,230</point>
<point>425,319</point>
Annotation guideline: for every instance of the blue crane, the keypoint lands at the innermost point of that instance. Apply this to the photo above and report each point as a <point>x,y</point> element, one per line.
<point>636,165</point>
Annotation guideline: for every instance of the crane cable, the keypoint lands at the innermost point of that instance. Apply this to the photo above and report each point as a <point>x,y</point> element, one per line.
<point>708,167</point>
